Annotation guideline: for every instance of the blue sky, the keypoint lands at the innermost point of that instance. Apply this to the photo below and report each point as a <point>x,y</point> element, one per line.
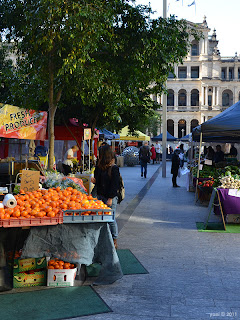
<point>223,15</point>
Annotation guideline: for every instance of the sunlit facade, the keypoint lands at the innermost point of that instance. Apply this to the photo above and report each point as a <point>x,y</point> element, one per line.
<point>203,86</point>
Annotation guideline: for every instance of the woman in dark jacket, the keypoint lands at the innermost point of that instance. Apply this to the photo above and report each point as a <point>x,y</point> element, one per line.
<point>175,167</point>
<point>107,181</point>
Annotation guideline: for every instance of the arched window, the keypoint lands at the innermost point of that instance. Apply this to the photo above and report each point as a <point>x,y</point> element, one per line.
<point>194,97</point>
<point>170,98</point>
<point>182,98</point>
<point>170,126</point>
<point>227,98</point>
<point>194,124</point>
<point>181,128</point>
<point>195,48</point>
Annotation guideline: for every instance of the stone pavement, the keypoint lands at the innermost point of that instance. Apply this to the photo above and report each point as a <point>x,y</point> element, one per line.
<point>192,275</point>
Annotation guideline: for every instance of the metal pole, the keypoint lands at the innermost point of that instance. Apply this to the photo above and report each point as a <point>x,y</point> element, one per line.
<point>164,114</point>
<point>89,145</point>
<point>83,155</point>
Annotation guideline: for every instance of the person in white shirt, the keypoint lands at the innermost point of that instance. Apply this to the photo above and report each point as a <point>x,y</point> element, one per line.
<point>68,157</point>
<point>158,151</point>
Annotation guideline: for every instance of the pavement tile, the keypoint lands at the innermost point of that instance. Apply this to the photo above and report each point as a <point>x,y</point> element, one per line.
<point>192,275</point>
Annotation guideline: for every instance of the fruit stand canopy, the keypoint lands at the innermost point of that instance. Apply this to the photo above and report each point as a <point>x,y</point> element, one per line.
<point>169,137</point>
<point>124,135</point>
<point>223,127</point>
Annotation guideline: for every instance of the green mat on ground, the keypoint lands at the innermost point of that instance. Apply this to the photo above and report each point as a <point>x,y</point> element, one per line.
<point>50,304</point>
<point>129,264</point>
<point>218,227</point>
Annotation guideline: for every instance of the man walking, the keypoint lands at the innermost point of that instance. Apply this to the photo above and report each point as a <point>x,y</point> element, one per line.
<point>158,151</point>
<point>144,157</point>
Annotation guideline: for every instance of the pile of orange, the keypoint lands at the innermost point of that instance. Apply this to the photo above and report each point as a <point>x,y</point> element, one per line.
<point>59,264</point>
<point>50,202</point>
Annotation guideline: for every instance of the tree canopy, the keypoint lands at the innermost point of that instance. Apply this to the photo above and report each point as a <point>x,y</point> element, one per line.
<point>95,60</point>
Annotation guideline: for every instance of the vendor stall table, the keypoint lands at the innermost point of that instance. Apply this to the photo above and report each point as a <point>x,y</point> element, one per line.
<point>77,243</point>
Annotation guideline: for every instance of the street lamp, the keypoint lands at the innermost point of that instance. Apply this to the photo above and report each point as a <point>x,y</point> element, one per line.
<point>164,114</point>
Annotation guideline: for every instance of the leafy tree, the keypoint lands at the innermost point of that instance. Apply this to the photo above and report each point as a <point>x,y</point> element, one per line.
<point>54,40</point>
<point>94,60</point>
<point>6,71</point>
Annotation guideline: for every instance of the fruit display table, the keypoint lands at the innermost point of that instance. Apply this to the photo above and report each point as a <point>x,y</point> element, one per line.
<point>77,243</point>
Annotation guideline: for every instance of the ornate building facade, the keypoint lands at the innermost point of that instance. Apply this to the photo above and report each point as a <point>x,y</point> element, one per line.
<point>203,86</point>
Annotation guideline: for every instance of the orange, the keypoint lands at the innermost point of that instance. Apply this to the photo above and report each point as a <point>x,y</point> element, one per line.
<point>66,265</point>
<point>2,215</point>
<point>51,267</point>
<point>7,216</point>
<point>26,197</point>
<point>51,262</point>
<point>16,214</point>
<point>19,202</point>
<point>40,214</point>
<point>24,214</point>
<point>51,214</point>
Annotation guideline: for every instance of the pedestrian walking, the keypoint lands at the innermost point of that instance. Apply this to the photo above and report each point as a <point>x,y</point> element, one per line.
<point>144,157</point>
<point>107,181</point>
<point>153,153</point>
<point>158,151</point>
<point>175,168</point>
<point>181,156</point>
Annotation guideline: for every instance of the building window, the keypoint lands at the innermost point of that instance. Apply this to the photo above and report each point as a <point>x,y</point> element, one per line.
<point>170,98</point>
<point>227,98</point>
<point>195,48</point>
<point>224,74</point>
<point>194,72</point>
<point>194,124</point>
<point>181,128</point>
<point>238,73</point>
<point>182,98</point>
<point>209,100</point>
<point>194,98</point>
<point>170,126</point>
<point>170,75</point>
<point>231,73</point>
<point>182,72</point>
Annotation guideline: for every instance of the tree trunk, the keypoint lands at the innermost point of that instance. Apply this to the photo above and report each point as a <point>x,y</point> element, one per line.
<point>51,138</point>
<point>51,113</point>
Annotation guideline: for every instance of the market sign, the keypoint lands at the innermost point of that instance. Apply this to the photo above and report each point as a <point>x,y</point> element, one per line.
<point>87,134</point>
<point>20,123</point>
<point>30,180</point>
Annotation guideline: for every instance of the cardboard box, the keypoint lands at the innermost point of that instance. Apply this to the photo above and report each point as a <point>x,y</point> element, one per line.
<point>21,265</point>
<point>61,277</point>
<point>233,218</point>
<point>29,279</point>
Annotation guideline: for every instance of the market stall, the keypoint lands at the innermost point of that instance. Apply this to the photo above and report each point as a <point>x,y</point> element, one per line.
<point>66,225</point>
<point>60,221</point>
<point>225,127</point>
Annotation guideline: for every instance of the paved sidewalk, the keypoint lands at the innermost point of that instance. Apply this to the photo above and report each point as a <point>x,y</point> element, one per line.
<point>192,275</point>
